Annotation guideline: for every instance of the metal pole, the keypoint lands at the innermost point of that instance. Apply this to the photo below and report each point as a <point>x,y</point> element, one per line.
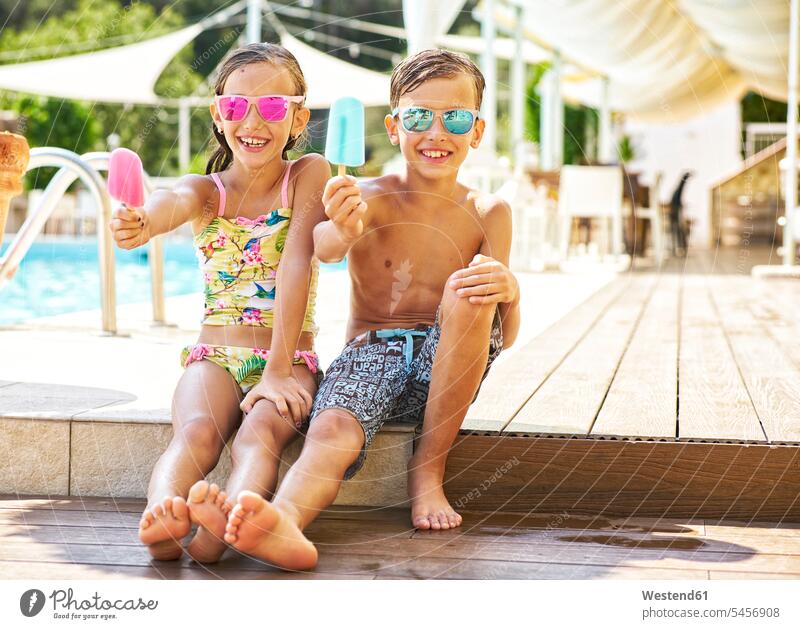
<point>184,136</point>
<point>99,161</point>
<point>558,113</point>
<point>545,122</point>
<point>518,93</point>
<point>253,21</point>
<point>489,69</point>
<point>790,194</point>
<point>605,153</point>
<point>72,167</point>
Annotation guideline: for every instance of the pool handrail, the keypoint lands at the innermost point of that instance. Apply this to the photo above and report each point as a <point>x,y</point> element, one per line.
<point>99,160</point>
<point>72,167</point>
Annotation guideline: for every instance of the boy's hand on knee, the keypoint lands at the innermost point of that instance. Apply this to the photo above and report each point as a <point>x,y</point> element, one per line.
<point>485,281</point>
<point>289,396</point>
<point>344,206</point>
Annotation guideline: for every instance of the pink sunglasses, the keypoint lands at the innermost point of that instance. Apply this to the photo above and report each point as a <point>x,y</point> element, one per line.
<point>272,108</point>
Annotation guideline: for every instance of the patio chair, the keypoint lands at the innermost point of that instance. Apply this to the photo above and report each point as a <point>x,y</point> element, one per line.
<point>654,215</point>
<point>532,215</point>
<point>591,192</point>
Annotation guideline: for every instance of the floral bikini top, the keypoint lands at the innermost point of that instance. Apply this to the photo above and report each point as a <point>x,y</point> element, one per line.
<point>239,258</point>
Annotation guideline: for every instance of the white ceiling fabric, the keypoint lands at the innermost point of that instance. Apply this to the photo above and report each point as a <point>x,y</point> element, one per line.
<point>665,59</point>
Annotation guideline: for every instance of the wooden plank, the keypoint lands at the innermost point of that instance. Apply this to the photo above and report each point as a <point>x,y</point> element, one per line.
<point>590,550</point>
<point>567,403</point>
<point>616,478</point>
<point>713,401</point>
<point>420,559</point>
<point>70,518</point>
<point>44,570</point>
<point>721,543</point>
<point>775,306</point>
<point>772,380</point>
<point>716,575</point>
<point>73,503</point>
<point>642,400</point>
<point>510,384</point>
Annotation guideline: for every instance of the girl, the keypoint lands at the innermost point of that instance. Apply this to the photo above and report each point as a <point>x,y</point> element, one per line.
<point>252,216</point>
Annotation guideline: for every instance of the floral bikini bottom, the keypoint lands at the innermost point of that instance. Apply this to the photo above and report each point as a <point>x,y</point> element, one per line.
<point>245,364</point>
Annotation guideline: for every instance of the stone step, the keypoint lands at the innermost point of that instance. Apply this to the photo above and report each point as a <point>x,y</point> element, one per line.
<point>59,455</point>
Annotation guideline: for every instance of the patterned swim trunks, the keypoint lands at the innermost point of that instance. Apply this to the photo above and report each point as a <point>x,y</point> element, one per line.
<point>245,364</point>
<point>385,375</point>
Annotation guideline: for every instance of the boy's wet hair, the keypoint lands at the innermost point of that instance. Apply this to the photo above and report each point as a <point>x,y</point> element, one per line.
<point>253,53</point>
<point>433,63</point>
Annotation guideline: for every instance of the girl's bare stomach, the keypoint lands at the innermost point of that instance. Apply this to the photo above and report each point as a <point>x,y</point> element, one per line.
<point>247,336</point>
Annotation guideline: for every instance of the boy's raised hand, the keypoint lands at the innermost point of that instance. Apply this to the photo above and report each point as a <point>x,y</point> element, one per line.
<point>130,227</point>
<point>344,206</point>
<point>485,281</point>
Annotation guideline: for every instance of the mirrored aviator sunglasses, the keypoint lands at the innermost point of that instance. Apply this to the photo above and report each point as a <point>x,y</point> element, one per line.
<point>272,108</point>
<point>420,119</point>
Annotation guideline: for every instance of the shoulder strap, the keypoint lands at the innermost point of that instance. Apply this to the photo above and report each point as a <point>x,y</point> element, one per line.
<point>285,186</point>
<point>217,181</point>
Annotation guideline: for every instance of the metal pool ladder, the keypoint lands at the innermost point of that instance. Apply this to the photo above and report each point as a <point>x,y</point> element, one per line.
<point>87,168</point>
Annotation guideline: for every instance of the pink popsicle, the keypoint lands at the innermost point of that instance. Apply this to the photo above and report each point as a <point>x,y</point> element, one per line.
<point>125,177</point>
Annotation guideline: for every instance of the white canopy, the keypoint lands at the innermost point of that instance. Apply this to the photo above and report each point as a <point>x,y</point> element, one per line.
<point>666,60</point>
<point>329,78</point>
<point>426,21</point>
<point>125,74</point>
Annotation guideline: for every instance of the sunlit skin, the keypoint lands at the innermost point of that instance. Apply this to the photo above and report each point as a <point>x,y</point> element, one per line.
<point>208,404</point>
<point>444,244</point>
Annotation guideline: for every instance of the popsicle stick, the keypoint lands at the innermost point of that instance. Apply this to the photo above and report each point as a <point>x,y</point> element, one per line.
<point>342,170</point>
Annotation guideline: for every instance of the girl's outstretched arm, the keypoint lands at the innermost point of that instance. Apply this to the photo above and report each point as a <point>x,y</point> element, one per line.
<point>292,288</point>
<point>164,211</point>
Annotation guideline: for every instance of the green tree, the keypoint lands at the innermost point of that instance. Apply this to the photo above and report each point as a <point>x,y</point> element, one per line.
<point>83,126</point>
<point>577,120</point>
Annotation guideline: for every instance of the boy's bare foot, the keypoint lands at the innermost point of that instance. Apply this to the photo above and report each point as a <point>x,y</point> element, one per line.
<point>263,530</point>
<point>429,507</point>
<point>163,526</point>
<point>209,510</point>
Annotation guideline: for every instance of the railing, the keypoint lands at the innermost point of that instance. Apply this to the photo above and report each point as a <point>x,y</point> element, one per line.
<point>86,168</point>
<point>99,160</point>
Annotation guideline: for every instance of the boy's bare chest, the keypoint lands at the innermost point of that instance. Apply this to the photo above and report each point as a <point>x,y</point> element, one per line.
<point>425,248</point>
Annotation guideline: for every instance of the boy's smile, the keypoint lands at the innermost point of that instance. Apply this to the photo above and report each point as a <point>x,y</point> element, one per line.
<point>435,152</point>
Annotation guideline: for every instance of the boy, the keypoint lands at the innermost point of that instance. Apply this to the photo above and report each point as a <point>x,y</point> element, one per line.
<point>433,303</point>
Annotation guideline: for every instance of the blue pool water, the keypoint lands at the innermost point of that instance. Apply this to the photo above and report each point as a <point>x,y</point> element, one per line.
<point>59,276</point>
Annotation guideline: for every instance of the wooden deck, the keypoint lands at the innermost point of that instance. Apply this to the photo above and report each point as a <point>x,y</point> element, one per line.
<point>674,393</point>
<point>76,538</point>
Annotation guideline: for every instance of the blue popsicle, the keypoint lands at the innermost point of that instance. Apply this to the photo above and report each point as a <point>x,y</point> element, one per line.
<point>344,144</point>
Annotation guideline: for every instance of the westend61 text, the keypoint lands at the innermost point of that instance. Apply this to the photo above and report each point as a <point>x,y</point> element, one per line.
<point>692,595</point>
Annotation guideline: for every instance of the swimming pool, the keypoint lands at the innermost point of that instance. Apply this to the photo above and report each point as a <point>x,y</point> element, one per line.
<point>60,275</point>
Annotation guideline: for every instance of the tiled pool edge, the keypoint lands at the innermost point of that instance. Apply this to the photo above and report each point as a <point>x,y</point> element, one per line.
<point>69,457</point>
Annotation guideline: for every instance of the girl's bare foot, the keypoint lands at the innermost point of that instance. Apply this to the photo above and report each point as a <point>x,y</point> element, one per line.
<point>209,510</point>
<point>429,507</point>
<point>261,529</point>
<point>163,526</point>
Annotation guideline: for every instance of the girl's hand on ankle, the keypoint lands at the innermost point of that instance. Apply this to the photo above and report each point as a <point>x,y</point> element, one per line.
<point>289,396</point>
<point>485,281</point>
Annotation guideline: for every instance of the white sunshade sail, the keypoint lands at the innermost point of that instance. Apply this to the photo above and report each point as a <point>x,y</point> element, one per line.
<point>125,74</point>
<point>426,21</point>
<point>329,78</point>
<point>665,60</point>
